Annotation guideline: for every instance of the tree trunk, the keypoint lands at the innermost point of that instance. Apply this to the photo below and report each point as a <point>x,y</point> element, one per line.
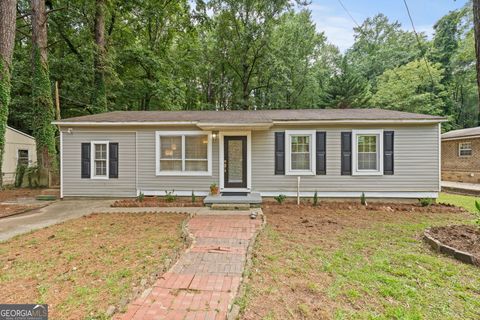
<point>42,103</point>
<point>99,99</point>
<point>476,24</point>
<point>7,41</point>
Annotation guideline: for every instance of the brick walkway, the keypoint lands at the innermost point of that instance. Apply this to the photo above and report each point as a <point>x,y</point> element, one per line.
<point>204,281</point>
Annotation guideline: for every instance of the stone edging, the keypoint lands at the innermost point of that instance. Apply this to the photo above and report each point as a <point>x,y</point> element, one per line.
<point>26,209</point>
<point>234,312</point>
<point>450,251</point>
<point>146,284</point>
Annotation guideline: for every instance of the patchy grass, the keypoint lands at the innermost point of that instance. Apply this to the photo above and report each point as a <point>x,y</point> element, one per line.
<point>84,265</point>
<point>467,202</point>
<point>357,263</point>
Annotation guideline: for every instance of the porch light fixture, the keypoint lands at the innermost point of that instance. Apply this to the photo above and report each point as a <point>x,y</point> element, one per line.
<point>214,135</point>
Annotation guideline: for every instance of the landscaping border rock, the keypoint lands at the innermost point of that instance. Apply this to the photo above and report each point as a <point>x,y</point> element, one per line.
<point>450,251</point>
<point>234,312</point>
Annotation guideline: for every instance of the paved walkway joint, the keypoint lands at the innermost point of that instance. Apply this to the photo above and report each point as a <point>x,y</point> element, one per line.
<point>205,280</point>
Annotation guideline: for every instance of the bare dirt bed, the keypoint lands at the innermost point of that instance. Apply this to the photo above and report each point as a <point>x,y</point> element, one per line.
<point>464,238</point>
<point>158,202</point>
<point>12,209</point>
<point>12,194</point>
<point>82,266</point>
<point>344,260</point>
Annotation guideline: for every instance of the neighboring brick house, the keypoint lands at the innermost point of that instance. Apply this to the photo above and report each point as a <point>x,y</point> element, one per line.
<point>461,155</point>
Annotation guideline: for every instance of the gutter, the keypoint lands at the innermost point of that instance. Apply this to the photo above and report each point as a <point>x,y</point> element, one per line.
<point>234,125</point>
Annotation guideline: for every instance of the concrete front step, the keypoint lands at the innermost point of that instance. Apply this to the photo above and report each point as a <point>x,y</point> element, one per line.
<point>230,206</point>
<point>253,198</point>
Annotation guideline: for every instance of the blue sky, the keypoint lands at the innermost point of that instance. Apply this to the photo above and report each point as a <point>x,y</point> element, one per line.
<point>332,19</point>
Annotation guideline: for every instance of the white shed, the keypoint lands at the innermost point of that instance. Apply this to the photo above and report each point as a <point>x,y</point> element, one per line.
<point>19,148</point>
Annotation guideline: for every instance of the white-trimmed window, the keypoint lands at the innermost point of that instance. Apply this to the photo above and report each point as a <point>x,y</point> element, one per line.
<point>464,149</point>
<point>99,159</point>
<point>184,153</point>
<point>300,151</point>
<point>367,150</point>
<point>23,157</point>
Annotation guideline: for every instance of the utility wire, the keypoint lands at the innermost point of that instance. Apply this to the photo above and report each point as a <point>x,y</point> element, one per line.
<point>418,41</point>
<point>349,14</point>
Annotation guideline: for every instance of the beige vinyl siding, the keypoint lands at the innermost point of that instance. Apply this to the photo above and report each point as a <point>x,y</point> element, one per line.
<point>74,185</point>
<point>147,179</point>
<point>415,163</point>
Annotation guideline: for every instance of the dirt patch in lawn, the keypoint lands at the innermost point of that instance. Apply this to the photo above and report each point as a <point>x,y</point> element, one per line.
<point>158,202</point>
<point>7,210</point>
<point>12,194</point>
<point>344,260</point>
<point>464,238</point>
<point>82,266</point>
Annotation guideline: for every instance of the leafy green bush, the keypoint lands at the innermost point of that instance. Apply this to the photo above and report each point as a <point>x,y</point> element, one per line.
<point>140,197</point>
<point>19,175</point>
<point>425,202</point>
<point>315,199</point>
<point>280,198</point>
<point>477,214</point>
<point>194,198</point>
<point>170,196</point>
<point>363,199</point>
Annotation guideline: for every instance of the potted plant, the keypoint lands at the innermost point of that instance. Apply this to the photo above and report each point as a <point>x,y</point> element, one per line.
<point>214,189</point>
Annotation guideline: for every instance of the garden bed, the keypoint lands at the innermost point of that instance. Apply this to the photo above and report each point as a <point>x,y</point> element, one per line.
<point>7,210</point>
<point>460,241</point>
<point>158,202</point>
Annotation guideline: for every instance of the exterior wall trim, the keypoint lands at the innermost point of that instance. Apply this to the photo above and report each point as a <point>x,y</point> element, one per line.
<point>355,194</point>
<point>61,164</point>
<point>461,138</point>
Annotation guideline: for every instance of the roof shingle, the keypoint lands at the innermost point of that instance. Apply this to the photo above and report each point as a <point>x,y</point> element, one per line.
<point>258,116</point>
<point>461,133</point>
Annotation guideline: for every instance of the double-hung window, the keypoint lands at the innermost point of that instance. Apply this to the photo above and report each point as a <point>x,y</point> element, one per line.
<point>465,149</point>
<point>100,159</point>
<point>367,150</point>
<point>22,157</point>
<point>300,150</point>
<point>183,153</point>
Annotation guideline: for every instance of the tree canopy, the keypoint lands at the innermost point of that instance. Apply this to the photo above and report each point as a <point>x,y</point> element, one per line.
<point>240,54</point>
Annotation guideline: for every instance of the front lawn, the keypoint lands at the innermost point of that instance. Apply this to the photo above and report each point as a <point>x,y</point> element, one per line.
<point>82,266</point>
<point>467,202</point>
<point>341,261</point>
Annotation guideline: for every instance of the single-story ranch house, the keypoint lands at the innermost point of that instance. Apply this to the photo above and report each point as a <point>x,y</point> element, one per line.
<point>461,155</point>
<point>335,152</point>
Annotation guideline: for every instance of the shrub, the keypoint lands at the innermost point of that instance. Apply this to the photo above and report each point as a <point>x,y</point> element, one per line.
<point>280,198</point>
<point>19,174</point>
<point>140,197</point>
<point>170,196</point>
<point>363,199</point>
<point>315,199</point>
<point>477,214</point>
<point>425,202</point>
<point>33,175</point>
<point>194,198</point>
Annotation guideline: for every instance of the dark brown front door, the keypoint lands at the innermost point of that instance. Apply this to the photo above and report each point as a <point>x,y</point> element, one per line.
<point>235,161</point>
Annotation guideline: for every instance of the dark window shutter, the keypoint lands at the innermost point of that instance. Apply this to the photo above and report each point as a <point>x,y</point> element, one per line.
<point>85,159</point>
<point>279,152</point>
<point>113,160</point>
<point>388,152</point>
<point>346,156</point>
<point>321,152</point>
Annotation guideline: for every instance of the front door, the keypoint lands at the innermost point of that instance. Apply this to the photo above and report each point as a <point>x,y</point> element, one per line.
<point>235,161</point>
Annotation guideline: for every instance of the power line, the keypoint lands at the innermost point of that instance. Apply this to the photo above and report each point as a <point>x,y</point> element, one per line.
<point>348,12</point>
<point>418,41</point>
